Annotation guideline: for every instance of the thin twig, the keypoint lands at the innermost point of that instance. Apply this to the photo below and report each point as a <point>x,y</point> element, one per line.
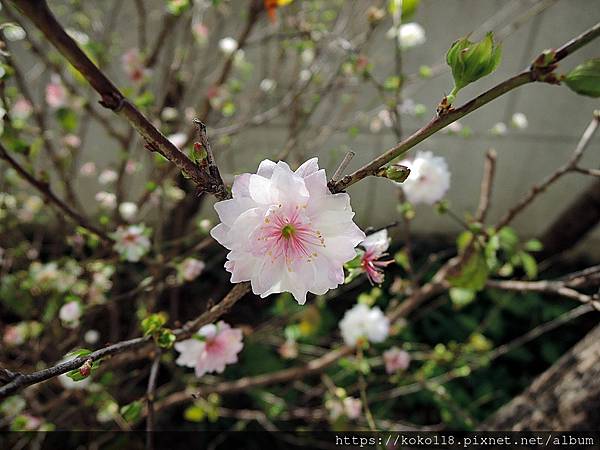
<point>46,191</point>
<point>150,393</point>
<point>537,189</point>
<point>340,170</point>
<point>486,185</point>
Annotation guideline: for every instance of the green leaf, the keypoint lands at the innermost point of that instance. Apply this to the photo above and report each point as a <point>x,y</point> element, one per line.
<point>166,338</point>
<point>461,297</point>
<point>132,411</point>
<point>533,245</point>
<point>153,323</point>
<point>585,78</point>
<point>67,118</point>
<point>473,274</point>
<point>78,352</point>
<point>194,413</point>
<point>529,264</point>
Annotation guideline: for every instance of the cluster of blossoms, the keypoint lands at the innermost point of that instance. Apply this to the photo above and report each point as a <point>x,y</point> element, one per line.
<point>429,178</point>
<point>132,242</point>
<point>211,348</point>
<point>348,406</point>
<point>286,232</point>
<point>361,323</point>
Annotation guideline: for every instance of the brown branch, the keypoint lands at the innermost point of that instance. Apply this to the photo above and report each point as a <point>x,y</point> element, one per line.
<point>150,393</point>
<point>23,380</point>
<point>41,16</point>
<point>486,185</point>
<point>537,189</point>
<point>533,74</point>
<point>46,191</point>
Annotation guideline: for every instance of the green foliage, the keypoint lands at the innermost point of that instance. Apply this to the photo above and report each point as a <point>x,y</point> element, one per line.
<point>132,411</point>
<point>585,78</point>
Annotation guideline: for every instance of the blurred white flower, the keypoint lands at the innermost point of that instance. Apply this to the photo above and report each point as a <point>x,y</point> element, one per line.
<point>132,242</point>
<point>519,121</point>
<point>228,45</point>
<point>267,85</point>
<point>169,113</point>
<point>411,35</point>
<point>429,178</point>
<point>133,65</point>
<point>307,56</point>
<point>364,323</point>
<point>72,140</point>
<point>128,210</point>
<point>108,176</point>
<point>305,75</point>
<point>352,407</point>
<point>70,314</point>
<point>499,129</point>
<point>13,32</point>
<point>177,139</point>
<point>31,207</point>
<point>14,335</point>
<point>205,225</point>
<point>91,336</point>
<point>107,200</point>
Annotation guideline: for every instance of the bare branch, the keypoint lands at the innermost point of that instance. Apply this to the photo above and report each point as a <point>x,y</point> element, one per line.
<point>486,185</point>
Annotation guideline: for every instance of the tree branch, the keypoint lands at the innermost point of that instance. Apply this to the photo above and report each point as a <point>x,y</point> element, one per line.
<point>533,74</point>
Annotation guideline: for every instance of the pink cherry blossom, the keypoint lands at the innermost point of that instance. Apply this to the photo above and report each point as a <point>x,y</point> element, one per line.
<point>375,246</point>
<point>70,314</point>
<point>191,268</point>
<point>56,94</point>
<point>213,347</point>
<point>286,231</point>
<point>395,360</point>
<point>22,109</point>
<point>132,242</point>
<point>133,65</point>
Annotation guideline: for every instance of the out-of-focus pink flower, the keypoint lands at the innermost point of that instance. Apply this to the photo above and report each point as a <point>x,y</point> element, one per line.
<point>191,268</point>
<point>72,140</point>
<point>87,169</point>
<point>131,167</point>
<point>395,359</point>
<point>289,349</point>
<point>132,242</point>
<point>213,347</point>
<point>375,246</point>
<point>108,176</point>
<point>56,94</point>
<point>14,335</point>
<point>70,313</point>
<point>352,407</point>
<point>22,109</point>
<point>286,231</point>
<point>133,65</point>
<point>200,32</point>
<point>107,200</point>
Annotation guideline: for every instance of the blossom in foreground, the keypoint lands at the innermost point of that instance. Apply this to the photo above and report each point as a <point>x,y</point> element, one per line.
<point>411,35</point>
<point>375,247</point>
<point>132,242</point>
<point>191,268</point>
<point>211,349</point>
<point>519,121</point>
<point>363,323</point>
<point>395,360</point>
<point>429,178</point>
<point>70,313</point>
<point>286,232</point>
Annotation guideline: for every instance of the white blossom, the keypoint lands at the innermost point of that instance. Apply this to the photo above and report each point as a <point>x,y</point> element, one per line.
<point>364,323</point>
<point>429,178</point>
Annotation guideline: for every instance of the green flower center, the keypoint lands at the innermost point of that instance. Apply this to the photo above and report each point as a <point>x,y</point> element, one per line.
<point>288,231</point>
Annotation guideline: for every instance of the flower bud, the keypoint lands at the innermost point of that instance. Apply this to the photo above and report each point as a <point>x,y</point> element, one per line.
<point>397,172</point>
<point>470,61</point>
<point>585,78</point>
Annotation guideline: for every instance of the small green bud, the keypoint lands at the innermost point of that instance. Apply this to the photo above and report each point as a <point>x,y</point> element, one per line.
<point>585,78</point>
<point>397,173</point>
<point>471,61</point>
